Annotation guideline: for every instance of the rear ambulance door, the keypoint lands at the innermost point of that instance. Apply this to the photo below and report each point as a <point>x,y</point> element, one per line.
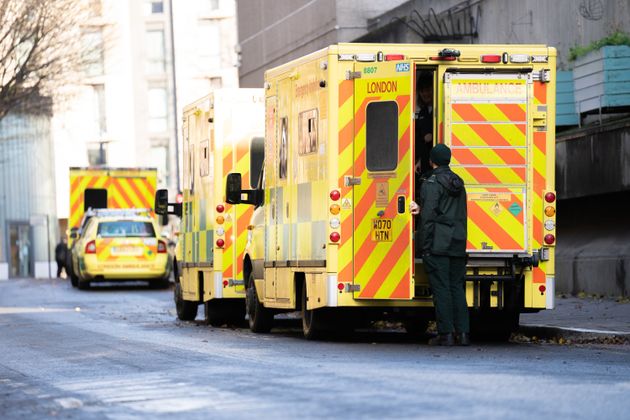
<point>382,180</point>
<point>486,126</point>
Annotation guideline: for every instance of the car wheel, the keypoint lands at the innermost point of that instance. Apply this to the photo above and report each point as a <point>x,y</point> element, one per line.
<point>313,322</point>
<point>186,310</point>
<point>260,318</point>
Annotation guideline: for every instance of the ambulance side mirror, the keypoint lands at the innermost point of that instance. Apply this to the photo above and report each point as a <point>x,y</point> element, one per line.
<point>234,193</point>
<point>161,202</point>
<point>233,188</point>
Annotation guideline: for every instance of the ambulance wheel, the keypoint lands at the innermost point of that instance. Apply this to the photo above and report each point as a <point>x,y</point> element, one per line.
<point>83,284</point>
<point>260,318</point>
<point>313,325</point>
<point>186,310</point>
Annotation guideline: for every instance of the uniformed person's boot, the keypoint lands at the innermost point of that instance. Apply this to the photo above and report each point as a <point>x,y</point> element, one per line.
<point>443,340</point>
<point>463,339</point>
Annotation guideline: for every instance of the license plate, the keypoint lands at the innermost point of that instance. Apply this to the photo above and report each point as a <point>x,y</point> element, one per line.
<point>126,251</point>
<point>382,230</point>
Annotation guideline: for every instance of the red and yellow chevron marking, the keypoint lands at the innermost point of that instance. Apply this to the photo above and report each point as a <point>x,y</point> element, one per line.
<point>235,244</point>
<point>496,219</point>
<point>539,170</point>
<point>382,269</point>
<point>123,191</point>
<point>346,160</point>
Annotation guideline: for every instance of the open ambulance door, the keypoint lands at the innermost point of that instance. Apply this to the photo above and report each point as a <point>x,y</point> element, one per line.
<point>486,126</point>
<point>382,180</point>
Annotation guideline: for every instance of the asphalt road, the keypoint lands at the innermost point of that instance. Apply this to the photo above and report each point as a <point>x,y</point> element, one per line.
<point>119,353</point>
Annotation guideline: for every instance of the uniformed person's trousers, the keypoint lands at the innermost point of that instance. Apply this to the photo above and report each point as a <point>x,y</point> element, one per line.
<point>446,276</point>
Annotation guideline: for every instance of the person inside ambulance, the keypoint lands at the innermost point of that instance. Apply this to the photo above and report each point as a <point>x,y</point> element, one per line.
<point>423,122</point>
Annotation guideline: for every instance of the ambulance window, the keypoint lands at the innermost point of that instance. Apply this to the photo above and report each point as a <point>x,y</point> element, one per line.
<point>204,167</point>
<point>308,132</point>
<point>257,155</point>
<point>283,152</point>
<point>381,136</point>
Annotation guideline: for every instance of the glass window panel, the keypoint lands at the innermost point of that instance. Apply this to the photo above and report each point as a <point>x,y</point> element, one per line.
<point>156,62</point>
<point>158,110</point>
<point>381,136</point>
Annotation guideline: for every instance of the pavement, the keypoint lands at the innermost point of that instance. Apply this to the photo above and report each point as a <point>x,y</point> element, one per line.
<point>581,318</point>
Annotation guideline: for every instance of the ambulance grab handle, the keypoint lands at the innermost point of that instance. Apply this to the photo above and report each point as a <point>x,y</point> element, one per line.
<point>401,204</point>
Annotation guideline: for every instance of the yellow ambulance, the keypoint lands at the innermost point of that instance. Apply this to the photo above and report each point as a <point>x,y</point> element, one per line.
<point>332,235</point>
<point>222,133</point>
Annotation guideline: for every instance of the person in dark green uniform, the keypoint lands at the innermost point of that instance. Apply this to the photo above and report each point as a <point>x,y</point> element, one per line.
<point>442,245</point>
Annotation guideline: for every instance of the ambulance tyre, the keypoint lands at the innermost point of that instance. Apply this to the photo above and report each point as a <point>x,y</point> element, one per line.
<point>313,325</point>
<point>83,284</point>
<point>186,310</point>
<point>260,318</point>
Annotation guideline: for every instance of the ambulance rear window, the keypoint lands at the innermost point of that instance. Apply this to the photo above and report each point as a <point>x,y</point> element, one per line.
<point>381,136</point>
<point>125,229</point>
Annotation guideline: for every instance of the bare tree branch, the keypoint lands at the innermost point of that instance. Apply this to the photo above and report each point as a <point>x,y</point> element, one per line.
<point>40,50</point>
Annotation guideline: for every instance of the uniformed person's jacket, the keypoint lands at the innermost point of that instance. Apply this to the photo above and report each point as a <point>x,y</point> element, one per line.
<point>443,214</point>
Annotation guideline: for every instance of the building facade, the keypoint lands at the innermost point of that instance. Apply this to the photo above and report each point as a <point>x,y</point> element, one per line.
<point>28,220</point>
<point>272,32</point>
<point>147,60</point>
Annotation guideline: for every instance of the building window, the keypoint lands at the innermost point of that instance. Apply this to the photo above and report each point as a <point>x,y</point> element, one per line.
<point>158,110</point>
<point>209,36</point>
<point>100,118</point>
<point>210,5</point>
<point>156,63</point>
<point>381,136</point>
<point>97,154</point>
<point>159,159</point>
<point>93,56</point>
<point>153,7</point>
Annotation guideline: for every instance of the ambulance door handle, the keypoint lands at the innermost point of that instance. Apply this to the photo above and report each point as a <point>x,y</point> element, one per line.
<point>401,205</point>
<point>349,181</point>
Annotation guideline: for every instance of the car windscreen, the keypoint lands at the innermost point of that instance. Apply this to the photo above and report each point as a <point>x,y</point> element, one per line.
<point>125,229</point>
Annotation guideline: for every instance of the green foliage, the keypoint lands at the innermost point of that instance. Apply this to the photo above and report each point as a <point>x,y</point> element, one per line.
<point>616,38</point>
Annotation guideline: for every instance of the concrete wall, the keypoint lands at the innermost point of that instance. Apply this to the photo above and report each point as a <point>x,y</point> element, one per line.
<point>559,23</point>
<point>593,184</point>
<point>272,32</point>
<point>593,161</point>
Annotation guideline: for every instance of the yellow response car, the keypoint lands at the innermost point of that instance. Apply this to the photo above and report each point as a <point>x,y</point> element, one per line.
<point>120,245</point>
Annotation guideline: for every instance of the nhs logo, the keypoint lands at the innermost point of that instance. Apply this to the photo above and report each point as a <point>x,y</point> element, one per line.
<point>402,67</point>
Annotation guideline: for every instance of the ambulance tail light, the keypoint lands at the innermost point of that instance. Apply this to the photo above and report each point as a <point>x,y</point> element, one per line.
<point>491,58</point>
<point>550,197</point>
<point>335,237</point>
<point>335,195</point>
<point>161,247</point>
<point>90,247</point>
<point>550,239</point>
<point>394,57</point>
<point>220,243</point>
<point>335,209</point>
